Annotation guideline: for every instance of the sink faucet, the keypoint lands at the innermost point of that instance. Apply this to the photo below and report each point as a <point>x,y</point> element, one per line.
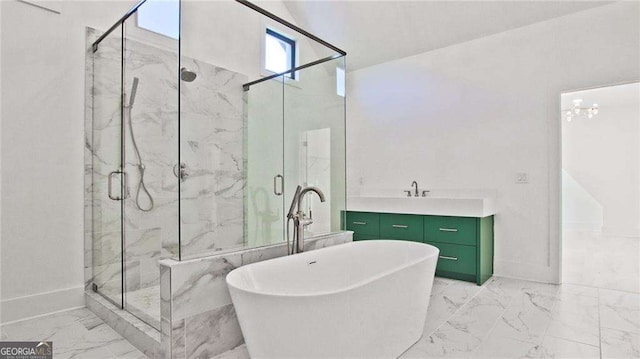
<point>415,183</point>
<point>299,219</point>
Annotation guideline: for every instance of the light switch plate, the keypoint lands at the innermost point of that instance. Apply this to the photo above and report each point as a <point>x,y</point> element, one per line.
<point>522,177</point>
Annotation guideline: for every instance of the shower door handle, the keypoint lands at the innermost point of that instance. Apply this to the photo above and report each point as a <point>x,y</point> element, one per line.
<point>110,184</point>
<point>275,185</point>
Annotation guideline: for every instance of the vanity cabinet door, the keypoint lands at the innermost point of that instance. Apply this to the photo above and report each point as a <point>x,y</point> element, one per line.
<point>363,224</point>
<point>456,259</point>
<point>454,230</point>
<point>401,226</point>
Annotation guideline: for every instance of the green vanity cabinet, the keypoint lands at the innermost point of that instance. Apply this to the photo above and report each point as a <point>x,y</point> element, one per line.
<point>465,243</point>
<point>454,230</point>
<point>402,226</point>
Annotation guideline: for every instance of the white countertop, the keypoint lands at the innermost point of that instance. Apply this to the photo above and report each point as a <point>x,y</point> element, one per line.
<point>436,206</point>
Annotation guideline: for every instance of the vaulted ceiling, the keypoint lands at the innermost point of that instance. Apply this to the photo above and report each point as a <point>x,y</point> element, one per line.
<point>374,32</point>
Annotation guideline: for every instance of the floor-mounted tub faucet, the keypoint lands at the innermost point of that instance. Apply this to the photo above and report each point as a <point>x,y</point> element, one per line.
<point>299,219</point>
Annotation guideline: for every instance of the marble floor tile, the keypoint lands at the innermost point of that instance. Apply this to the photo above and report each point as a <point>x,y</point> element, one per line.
<point>145,302</point>
<point>239,352</point>
<point>496,346</point>
<point>527,319</point>
<point>576,289</point>
<point>577,303</point>
<point>561,348</point>
<point>620,310</point>
<point>478,315</point>
<point>75,334</point>
<point>619,344</point>
<point>575,327</point>
<point>448,341</point>
<point>600,260</point>
<point>446,299</point>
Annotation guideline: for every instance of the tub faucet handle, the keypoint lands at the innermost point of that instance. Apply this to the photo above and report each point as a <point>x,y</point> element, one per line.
<point>408,193</point>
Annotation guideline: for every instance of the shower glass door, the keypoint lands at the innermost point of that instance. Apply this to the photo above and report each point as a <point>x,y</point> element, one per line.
<point>150,128</point>
<point>314,143</point>
<point>265,189</point>
<point>106,152</point>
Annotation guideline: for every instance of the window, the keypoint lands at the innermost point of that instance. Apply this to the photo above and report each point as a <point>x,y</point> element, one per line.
<point>160,16</point>
<point>340,81</point>
<point>279,53</point>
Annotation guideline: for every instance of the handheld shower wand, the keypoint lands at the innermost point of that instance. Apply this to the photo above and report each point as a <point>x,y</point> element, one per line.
<point>141,168</point>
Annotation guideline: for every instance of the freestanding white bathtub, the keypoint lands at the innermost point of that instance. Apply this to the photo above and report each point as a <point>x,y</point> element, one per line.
<point>364,299</point>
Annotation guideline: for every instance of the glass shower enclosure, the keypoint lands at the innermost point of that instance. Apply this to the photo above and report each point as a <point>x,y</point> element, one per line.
<point>194,149</point>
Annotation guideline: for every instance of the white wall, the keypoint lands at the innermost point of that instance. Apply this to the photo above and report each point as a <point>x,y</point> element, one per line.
<point>470,116</point>
<point>602,155</point>
<point>580,210</point>
<point>42,152</point>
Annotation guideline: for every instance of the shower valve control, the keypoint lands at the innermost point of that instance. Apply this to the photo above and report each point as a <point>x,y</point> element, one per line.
<point>182,172</point>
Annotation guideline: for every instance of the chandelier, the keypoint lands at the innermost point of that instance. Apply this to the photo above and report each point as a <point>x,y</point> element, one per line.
<point>578,110</point>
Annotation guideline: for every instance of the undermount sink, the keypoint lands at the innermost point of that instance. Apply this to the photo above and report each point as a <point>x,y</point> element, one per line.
<point>437,206</point>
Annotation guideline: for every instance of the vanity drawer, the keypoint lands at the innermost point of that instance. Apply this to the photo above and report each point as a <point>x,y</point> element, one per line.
<point>454,230</point>
<point>402,226</point>
<point>363,223</point>
<point>455,258</point>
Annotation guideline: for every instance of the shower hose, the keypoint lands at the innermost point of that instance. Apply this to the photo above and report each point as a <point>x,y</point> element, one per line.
<point>141,168</point>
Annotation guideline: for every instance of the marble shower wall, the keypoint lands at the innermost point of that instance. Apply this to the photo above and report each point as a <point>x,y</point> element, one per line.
<point>212,148</point>
<point>198,318</point>
<point>211,137</point>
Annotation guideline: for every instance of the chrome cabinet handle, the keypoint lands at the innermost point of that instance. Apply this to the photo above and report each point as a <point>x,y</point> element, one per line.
<point>275,185</point>
<point>360,223</point>
<point>449,258</point>
<point>399,226</point>
<point>448,229</point>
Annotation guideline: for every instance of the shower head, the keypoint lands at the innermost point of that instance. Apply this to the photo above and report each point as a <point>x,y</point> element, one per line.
<point>187,75</point>
<point>134,88</point>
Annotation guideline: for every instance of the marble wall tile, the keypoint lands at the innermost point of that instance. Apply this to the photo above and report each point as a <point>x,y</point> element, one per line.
<point>201,286</point>
<point>212,146</point>
<point>211,333</point>
<point>165,293</point>
<point>178,339</point>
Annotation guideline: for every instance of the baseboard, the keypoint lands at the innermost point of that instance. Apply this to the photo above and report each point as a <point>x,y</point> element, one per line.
<point>21,308</point>
<point>525,271</point>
